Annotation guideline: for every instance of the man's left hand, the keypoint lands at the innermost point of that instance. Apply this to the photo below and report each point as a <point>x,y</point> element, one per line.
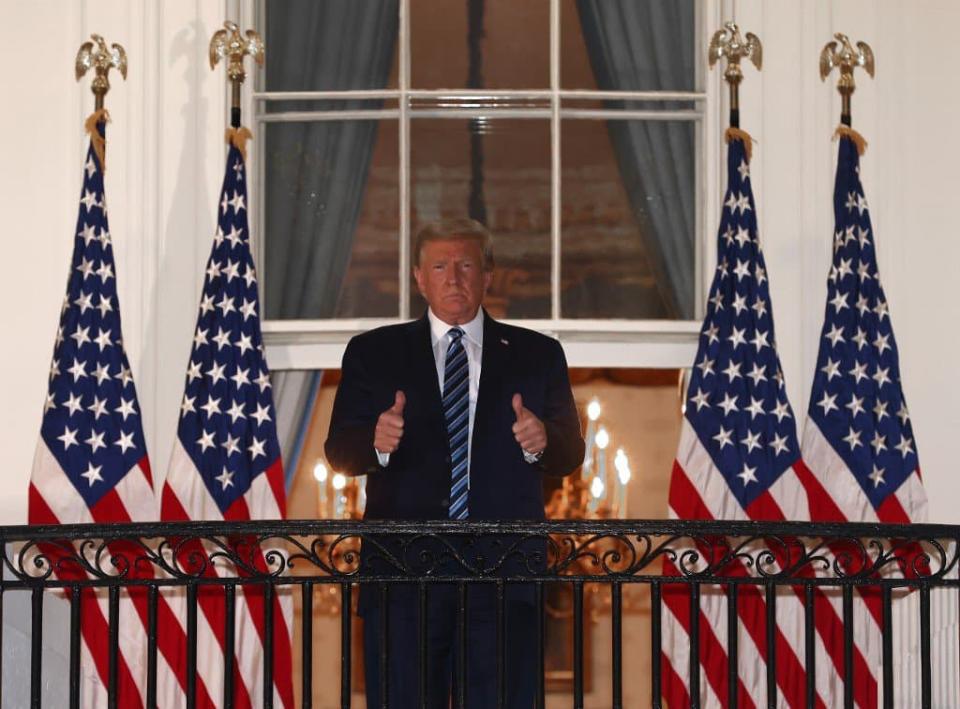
<point>529,431</point>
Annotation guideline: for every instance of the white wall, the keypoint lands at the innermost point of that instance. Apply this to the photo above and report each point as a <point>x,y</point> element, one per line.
<point>165,159</point>
<point>908,116</point>
<point>164,163</point>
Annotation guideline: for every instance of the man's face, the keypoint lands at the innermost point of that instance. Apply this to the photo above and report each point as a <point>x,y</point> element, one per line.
<point>451,278</point>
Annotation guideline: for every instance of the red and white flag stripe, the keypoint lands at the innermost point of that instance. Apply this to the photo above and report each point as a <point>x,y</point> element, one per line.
<point>131,500</point>
<point>264,500</point>
<point>695,495</point>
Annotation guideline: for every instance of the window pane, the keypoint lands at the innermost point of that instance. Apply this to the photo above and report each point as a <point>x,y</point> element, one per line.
<point>331,201</point>
<point>628,219</point>
<point>635,45</point>
<point>501,168</point>
<point>331,45</point>
<point>506,46</point>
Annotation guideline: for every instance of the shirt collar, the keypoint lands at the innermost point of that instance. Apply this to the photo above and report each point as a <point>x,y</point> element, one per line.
<point>472,331</point>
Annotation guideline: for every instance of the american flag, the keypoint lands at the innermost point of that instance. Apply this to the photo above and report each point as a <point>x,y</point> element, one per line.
<point>858,439</point>
<point>739,459</point>
<point>226,459</point>
<point>91,462</point>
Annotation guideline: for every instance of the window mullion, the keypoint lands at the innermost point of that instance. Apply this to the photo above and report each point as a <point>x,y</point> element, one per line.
<point>475,94</point>
<point>555,159</point>
<point>404,127</point>
<point>257,202</point>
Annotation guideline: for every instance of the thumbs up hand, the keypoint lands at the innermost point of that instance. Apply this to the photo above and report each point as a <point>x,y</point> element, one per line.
<point>529,431</point>
<point>389,430</point>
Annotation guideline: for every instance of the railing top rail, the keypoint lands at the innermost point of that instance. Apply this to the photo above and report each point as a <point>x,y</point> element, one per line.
<point>657,527</point>
<point>353,550</point>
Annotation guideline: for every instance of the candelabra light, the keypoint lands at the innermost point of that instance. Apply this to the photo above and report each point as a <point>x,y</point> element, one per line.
<point>598,492</point>
<point>338,497</point>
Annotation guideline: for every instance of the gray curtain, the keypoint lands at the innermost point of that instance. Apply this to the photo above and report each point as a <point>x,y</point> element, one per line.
<point>294,395</point>
<point>647,45</point>
<point>316,173</point>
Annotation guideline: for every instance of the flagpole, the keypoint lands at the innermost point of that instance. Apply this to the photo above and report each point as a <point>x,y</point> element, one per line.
<point>98,468</point>
<point>728,42</point>
<point>95,55</point>
<point>846,58</point>
<point>230,45</point>
<point>234,464</point>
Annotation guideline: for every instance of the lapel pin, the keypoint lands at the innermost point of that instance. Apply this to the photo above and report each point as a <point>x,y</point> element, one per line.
<point>504,341</point>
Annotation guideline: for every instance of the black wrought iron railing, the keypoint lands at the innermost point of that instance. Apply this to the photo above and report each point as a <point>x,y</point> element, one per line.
<point>734,559</point>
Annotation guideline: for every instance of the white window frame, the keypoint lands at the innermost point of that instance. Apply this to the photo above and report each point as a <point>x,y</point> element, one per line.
<point>319,344</point>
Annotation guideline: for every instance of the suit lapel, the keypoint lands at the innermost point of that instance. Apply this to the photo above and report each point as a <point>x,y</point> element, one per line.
<point>496,353</point>
<point>424,365</point>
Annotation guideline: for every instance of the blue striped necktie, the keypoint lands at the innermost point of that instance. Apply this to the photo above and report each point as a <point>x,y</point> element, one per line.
<point>456,413</point>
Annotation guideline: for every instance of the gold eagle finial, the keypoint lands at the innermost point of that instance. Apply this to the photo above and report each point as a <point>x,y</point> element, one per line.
<point>729,43</point>
<point>229,44</point>
<point>841,53</point>
<point>95,55</point>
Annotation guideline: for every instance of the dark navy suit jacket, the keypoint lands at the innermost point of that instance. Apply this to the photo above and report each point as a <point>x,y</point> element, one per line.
<point>416,483</point>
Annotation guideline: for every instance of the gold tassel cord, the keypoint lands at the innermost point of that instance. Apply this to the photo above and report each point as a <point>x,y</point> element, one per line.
<point>96,139</point>
<point>739,134</point>
<point>238,137</point>
<point>848,132</point>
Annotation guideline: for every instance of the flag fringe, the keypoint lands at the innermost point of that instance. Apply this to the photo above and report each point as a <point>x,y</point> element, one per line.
<point>238,137</point>
<point>738,134</point>
<point>848,132</point>
<point>98,142</point>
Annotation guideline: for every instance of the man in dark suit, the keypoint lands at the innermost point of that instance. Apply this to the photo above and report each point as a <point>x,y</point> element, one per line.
<point>453,416</point>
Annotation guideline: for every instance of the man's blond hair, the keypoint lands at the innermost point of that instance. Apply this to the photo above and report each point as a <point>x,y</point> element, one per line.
<point>458,228</point>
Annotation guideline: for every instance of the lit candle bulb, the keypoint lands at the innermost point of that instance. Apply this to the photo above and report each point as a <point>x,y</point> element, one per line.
<point>593,409</point>
<point>320,473</point>
<point>597,488</point>
<point>338,481</point>
<point>593,413</point>
<point>603,438</point>
<point>622,465</point>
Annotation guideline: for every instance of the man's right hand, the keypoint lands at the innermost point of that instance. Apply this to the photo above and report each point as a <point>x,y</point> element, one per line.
<point>389,430</point>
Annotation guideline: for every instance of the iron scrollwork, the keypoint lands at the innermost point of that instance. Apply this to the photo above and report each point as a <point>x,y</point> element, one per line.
<point>595,551</point>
